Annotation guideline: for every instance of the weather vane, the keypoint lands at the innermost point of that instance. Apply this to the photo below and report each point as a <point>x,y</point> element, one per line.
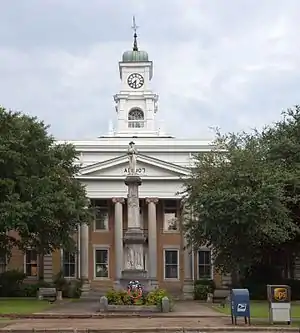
<point>134,28</point>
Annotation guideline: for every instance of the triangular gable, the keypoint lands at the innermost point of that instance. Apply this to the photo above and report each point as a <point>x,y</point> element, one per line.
<point>146,167</point>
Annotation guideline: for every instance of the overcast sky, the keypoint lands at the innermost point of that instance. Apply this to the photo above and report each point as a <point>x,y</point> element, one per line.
<point>234,64</point>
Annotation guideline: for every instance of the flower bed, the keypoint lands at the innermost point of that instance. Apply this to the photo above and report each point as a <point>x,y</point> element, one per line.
<point>135,301</point>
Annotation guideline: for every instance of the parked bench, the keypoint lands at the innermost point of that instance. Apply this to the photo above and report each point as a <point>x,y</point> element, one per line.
<point>221,296</point>
<point>47,293</point>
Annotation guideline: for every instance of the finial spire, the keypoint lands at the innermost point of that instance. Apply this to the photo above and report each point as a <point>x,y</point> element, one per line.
<point>134,28</point>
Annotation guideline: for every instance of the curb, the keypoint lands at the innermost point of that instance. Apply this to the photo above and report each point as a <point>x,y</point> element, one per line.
<point>102,316</point>
<point>156,330</point>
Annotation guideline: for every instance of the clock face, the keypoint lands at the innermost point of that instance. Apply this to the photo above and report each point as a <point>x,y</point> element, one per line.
<point>135,81</point>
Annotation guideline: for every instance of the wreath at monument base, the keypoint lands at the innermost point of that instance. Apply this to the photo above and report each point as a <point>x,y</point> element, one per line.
<point>135,290</point>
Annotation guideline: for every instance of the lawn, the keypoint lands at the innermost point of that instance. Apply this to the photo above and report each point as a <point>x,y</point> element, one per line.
<point>23,306</point>
<point>260,310</point>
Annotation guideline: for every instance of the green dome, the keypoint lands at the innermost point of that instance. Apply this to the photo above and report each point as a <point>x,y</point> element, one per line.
<point>135,56</point>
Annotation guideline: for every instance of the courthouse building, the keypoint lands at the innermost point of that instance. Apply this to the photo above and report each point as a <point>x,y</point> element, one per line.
<point>162,163</point>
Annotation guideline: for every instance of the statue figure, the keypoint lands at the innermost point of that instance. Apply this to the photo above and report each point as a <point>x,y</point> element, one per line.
<point>134,259</point>
<point>138,260</point>
<point>130,258</point>
<point>132,155</point>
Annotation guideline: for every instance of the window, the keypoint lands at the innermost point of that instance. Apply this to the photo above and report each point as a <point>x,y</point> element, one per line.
<point>170,215</point>
<point>31,258</point>
<point>2,264</point>
<point>101,263</point>
<point>204,264</point>
<point>101,215</point>
<point>69,264</point>
<point>136,118</point>
<point>171,264</point>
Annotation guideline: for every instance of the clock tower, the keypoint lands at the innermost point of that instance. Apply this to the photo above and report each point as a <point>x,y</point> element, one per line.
<point>136,103</point>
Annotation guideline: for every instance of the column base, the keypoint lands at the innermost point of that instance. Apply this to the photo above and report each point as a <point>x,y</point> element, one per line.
<point>188,290</point>
<point>117,285</point>
<point>85,288</point>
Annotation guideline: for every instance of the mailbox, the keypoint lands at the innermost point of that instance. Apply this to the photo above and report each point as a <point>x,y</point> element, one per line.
<point>240,305</point>
<point>279,297</point>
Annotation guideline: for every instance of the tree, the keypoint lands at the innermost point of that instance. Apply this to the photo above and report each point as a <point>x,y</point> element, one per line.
<point>40,198</point>
<point>237,196</point>
<point>284,151</point>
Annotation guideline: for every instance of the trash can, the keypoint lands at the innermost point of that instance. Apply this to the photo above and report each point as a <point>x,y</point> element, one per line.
<point>240,305</point>
<point>279,298</point>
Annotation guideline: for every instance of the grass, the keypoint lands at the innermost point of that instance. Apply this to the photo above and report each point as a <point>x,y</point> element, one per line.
<point>23,306</point>
<point>260,310</point>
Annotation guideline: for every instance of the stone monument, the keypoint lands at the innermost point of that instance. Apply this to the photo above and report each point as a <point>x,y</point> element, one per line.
<point>134,239</point>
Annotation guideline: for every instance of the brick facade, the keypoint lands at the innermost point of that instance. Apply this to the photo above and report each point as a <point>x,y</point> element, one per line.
<point>104,239</point>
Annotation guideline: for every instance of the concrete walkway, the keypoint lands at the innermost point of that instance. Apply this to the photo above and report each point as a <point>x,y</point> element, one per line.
<point>181,309</point>
<point>110,324</point>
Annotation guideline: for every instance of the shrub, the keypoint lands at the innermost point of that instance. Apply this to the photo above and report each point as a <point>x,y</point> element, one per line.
<point>118,297</point>
<point>69,288</point>
<point>202,288</point>
<point>155,297</point>
<point>72,289</point>
<point>59,281</point>
<point>31,290</point>
<point>121,297</point>
<point>10,283</point>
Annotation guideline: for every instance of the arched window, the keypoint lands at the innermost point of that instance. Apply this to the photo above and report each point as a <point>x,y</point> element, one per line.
<point>136,118</point>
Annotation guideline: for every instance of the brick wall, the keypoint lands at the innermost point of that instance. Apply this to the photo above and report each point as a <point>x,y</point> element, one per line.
<point>165,240</point>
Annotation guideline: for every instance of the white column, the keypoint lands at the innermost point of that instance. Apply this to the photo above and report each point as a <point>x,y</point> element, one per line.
<point>118,228</point>
<point>152,237</point>
<point>84,251</point>
<point>187,261</point>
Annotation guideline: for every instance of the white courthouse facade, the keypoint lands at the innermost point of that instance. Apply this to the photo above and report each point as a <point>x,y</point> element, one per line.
<point>162,163</point>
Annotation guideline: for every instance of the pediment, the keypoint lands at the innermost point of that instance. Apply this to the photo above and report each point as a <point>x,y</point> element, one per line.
<point>146,167</point>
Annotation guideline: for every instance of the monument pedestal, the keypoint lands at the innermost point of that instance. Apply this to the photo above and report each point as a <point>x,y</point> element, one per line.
<point>134,238</point>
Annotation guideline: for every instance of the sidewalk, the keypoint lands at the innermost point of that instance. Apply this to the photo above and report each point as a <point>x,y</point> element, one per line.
<point>133,325</point>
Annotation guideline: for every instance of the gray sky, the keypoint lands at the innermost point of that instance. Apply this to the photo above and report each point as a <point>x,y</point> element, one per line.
<point>234,64</point>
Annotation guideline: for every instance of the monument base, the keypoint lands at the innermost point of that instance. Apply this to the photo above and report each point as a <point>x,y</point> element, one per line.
<point>153,283</point>
<point>135,275</point>
<point>134,236</point>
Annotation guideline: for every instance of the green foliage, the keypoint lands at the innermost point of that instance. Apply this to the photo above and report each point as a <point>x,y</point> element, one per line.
<point>118,297</point>
<point>72,289</point>
<point>121,297</point>
<point>40,197</point>
<point>244,196</point>
<point>31,289</point>
<point>202,288</point>
<point>11,283</point>
<point>155,296</point>
<point>69,288</point>
<point>200,292</point>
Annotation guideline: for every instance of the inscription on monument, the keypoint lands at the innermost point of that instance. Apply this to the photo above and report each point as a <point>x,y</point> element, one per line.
<point>138,171</point>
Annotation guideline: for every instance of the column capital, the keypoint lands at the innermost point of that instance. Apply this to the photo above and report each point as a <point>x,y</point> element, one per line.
<point>118,200</point>
<point>152,200</point>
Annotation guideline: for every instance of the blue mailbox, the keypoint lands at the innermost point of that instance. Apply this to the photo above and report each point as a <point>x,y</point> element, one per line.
<point>240,305</point>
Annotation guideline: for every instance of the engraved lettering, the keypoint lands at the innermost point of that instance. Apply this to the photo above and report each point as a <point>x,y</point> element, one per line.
<point>138,171</point>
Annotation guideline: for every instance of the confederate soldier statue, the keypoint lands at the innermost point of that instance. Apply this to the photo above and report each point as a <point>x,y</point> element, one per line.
<point>132,155</point>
